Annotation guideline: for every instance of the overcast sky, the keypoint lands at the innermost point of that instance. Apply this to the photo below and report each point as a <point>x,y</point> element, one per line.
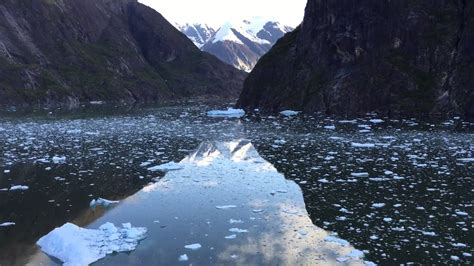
<point>215,12</point>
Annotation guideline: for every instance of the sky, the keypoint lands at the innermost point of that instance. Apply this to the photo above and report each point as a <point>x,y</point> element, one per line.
<point>216,12</point>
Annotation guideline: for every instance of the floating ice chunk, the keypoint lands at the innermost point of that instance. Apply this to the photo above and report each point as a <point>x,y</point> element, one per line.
<point>171,166</point>
<point>230,112</point>
<point>193,246</point>
<point>455,258</point>
<point>362,145</point>
<point>59,159</point>
<point>74,131</point>
<point>378,205</point>
<point>323,180</point>
<point>19,187</point>
<point>225,207</point>
<point>330,127</point>
<point>459,245</point>
<point>232,221</point>
<point>376,121</point>
<point>336,240</point>
<point>234,236</point>
<point>7,224</point>
<point>102,202</point>
<point>238,230</point>
<point>289,113</point>
<point>461,213</point>
<point>466,160</point>
<point>6,171</point>
<point>362,174</point>
<point>74,245</point>
<point>183,257</point>
<point>387,219</point>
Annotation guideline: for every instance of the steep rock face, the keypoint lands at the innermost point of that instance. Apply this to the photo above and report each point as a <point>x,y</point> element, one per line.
<point>349,57</point>
<point>67,51</point>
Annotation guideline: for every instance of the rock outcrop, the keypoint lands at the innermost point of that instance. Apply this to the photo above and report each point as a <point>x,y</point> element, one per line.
<point>68,51</point>
<point>353,56</point>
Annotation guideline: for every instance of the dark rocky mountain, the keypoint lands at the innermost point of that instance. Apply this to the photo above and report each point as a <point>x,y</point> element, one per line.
<point>351,56</point>
<point>240,44</point>
<point>68,51</point>
<point>198,33</point>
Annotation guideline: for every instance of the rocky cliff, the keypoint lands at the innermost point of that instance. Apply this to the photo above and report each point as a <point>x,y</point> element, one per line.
<point>353,56</point>
<point>68,51</point>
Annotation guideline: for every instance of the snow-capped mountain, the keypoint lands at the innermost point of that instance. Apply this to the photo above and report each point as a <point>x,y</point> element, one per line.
<point>241,43</point>
<point>198,33</point>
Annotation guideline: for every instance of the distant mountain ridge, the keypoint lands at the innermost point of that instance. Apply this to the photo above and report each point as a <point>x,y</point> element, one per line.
<point>240,44</point>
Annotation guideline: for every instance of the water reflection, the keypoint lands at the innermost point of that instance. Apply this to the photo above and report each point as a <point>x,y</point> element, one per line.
<point>231,202</point>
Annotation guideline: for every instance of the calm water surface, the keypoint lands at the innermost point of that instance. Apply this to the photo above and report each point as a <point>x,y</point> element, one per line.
<point>400,190</point>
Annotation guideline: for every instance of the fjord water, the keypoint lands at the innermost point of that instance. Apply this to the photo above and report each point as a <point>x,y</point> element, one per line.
<point>401,190</point>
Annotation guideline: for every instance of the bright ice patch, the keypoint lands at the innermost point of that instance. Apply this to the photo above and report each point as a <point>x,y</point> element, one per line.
<point>224,207</point>
<point>362,145</point>
<point>230,112</point>
<point>289,113</point>
<point>102,202</point>
<point>183,257</point>
<point>19,187</point>
<point>193,246</point>
<point>7,224</point>
<point>74,245</point>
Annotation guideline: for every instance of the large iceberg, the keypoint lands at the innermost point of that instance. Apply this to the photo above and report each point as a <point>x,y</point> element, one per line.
<point>74,245</point>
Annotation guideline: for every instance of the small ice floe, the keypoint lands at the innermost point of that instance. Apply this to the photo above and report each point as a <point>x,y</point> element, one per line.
<point>225,207</point>
<point>96,102</point>
<point>193,246</point>
<point>455,258</point>
<point>102,202</point>
<point>459,245</point>
<point>378,205</point>
<point>183,257</point>
<point>362,174</point>
<point>6,171</point>
<point>74,131</point>
<point>59,159</point>
<point>323,180</point>
<point>258,210</point>
<point>234,236</point>
<point>336,240</point>
<point>232,221</point>
<point>289,113</point>
<point>461,213</point>
<point>466,160</point>
<point>330,127</point>
<point>238,230</point>
<point>376,121</point>
<point>74,245</point>
<point>6,224</point>
<point>230,112</point>
<point>171,166</point>
<point>362,145</point>
<point>19,187</point>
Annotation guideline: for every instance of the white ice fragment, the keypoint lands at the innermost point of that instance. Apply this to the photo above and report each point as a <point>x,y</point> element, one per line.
<point>19,187</point>
<point>183,257</point>
<point>230,112</point>
<point>330,127</point>
<point>289,113</point>
<point>376,121</point>
<point>461,213</point>
<point>59,159</point>
<point>232,221</point>
<point>74,245</point>
<point>362,145</point>
<point>102,202</point>
<point>225,207</point>
<point>171,166</point>
<point>455,258</point>
<point>466,160</point>
<point>378,205</point>
<point>238,230</point>
<point>193,246</point>
<point>234,236</point>
<point>7,224</point>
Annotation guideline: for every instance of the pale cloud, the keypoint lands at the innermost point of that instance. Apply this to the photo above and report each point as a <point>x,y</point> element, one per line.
<point>215,12</point>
